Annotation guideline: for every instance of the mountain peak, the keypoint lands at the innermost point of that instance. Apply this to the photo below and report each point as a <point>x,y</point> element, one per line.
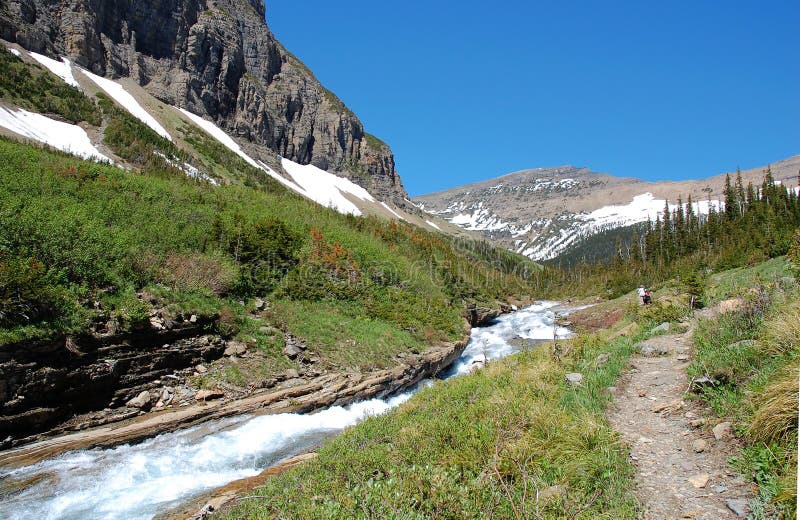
<point>220,60</point>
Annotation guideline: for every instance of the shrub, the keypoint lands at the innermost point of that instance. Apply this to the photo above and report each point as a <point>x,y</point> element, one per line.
<point>194,271</point>
<point>25,296</point>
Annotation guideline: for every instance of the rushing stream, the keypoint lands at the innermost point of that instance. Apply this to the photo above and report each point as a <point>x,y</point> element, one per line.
<point>141,480</point>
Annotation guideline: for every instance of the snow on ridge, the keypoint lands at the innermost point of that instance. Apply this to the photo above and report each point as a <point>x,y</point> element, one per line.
<point>124,98</point>
<point>318,185</point>
<point>326,188</point>
<point>62,69</point>
<point>63,136</point>
<point>220,135</point>
<point>432,224</point>
<point>15,52</point>
<point>642,208</point>
<point>283,180</point>
<point>393,212</point>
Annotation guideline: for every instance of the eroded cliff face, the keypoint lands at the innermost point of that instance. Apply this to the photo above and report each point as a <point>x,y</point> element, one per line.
<point>217,58</point>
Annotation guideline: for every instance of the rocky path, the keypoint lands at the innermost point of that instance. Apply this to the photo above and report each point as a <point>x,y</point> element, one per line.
<point>681,460</point>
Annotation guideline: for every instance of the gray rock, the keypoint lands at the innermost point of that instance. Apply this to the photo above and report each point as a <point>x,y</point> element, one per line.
<point>574,378</point>
<point>787,282</point>
<point>235,348</point>
<point>722,431</point>
<point>652,349</point>
<point>701,383</point>
<point>664,327</point>
<point>208,395</point>
<point>602,358</point>
<point>292,351</point>
<point>193,318</point>
<point>699,446</point>
<point>292,374</point>
<point>141,401</point>
<point>201,369</point>
<point>258,304</point>
<point>720,489</point>
<point>738,506</point>
<point>167,394</point>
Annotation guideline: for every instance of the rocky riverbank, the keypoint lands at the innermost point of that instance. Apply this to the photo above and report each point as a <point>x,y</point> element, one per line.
<point>295,394</point>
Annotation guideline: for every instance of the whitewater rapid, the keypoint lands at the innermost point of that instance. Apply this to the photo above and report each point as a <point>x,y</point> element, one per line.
<point>138,481</point>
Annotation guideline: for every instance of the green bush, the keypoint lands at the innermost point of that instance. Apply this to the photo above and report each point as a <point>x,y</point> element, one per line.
<point>25,296</point>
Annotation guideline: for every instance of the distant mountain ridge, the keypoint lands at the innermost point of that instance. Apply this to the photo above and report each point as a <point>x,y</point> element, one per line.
<point>542,212</point>
<point>218,59</point>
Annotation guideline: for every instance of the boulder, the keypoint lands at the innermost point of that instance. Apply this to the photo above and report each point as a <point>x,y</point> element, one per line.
<point>235,348</point>
<point>292,351</point>
<point>701,383</point>
<point>574,378</point>
<point>141,401</point>
<point>699,481</point>
<point>652,349</point>
<point>722,431</point>
<point>738,506</point>
<point>208,395</point>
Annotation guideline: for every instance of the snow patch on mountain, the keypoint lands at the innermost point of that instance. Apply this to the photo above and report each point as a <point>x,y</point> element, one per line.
<point>393,212</point>
<point>318,185</point>
<point>326,188</point>
<point>124,98</point>
<point>62,69</point>
<point>543,239</point>
<point>480,219</point>
<point>63,136</point>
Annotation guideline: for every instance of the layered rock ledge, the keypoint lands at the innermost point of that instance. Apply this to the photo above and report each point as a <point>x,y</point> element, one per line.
<point>299,395</point>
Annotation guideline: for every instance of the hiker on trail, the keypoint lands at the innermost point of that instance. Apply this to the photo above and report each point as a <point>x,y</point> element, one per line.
<point>641,291</point>
<point>646,299</point>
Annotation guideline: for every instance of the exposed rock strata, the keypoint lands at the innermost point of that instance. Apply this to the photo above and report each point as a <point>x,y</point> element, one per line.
<point>44,383</point>
<point>294,395</point>
<point>216,58</point>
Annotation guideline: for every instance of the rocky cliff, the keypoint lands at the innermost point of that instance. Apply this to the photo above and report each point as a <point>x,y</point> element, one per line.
<point>216,58</point>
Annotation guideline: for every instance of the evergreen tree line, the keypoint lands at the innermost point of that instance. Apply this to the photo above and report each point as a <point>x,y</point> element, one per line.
<point>753,224</point>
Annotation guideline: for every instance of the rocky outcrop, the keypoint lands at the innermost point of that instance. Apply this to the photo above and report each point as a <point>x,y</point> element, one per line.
<point>297,394</point>
<point>216,58</point>
<point>44,383</point>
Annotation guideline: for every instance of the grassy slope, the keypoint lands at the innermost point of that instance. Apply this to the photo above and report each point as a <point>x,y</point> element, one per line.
<point>514,441</point>
<point>754,353</point>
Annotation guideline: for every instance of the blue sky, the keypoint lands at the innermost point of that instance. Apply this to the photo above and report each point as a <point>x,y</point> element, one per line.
<point>465,91</point>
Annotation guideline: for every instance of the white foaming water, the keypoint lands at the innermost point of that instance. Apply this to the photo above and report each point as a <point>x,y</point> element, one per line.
<point>144,479</point>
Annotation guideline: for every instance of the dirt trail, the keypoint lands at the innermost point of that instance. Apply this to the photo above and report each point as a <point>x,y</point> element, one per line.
<point>681,465</point>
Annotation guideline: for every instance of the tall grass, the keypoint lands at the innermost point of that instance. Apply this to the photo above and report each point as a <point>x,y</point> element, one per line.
<point>758,386</point>
<point>512,440</point>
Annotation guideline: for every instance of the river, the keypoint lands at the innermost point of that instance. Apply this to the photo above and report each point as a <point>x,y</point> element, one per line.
<point>141,480</point>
